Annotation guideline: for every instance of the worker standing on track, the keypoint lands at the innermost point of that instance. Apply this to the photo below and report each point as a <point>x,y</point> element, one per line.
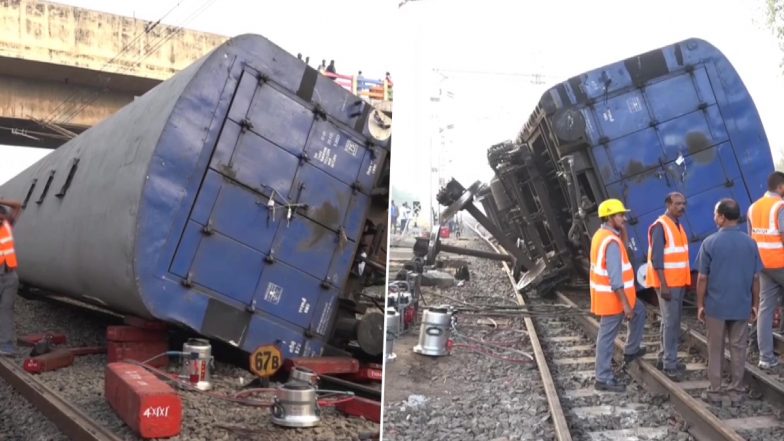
<point>766,227</point>
<point>613,295</point>
<point>727,297</point>
<point>393,213</point>
<point>9,281</point>
<point>669,273</point>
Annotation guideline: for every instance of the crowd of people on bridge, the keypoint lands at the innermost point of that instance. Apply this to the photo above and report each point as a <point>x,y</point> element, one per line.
<point>740,280</point>
<point>325,68</point>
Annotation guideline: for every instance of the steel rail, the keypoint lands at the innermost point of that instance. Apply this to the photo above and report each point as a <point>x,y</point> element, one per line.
<point>562,432</point>
<point>704,425</point>
<point>70,420</point>
<point>760,381</point>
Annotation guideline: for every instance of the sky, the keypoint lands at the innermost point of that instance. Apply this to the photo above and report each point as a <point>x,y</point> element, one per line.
<point>357,34</point>
<point>490,61</point>
<point>487,62</point>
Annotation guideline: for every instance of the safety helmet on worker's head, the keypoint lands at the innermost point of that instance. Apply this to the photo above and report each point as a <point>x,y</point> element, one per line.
<point>611,207</point>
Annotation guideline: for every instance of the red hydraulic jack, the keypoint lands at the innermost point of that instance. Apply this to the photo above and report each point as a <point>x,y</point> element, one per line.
<point>368,372</point>
<point>347,367</point>
<point>58,358</point>
<point>56,338</point>
<point>361,407</point>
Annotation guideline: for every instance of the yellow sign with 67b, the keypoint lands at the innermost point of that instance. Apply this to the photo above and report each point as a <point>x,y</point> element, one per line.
<point>266,360</point>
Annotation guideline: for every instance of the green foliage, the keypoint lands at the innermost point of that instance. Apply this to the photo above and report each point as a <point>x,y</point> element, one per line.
<point>775,16</point>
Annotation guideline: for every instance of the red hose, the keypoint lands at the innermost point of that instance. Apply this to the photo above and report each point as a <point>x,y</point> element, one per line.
<point>187,386</point>
<point>325,402</point>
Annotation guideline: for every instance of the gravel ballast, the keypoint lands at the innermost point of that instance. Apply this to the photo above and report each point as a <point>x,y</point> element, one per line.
<point>467,396</point>
<point>83,384</point>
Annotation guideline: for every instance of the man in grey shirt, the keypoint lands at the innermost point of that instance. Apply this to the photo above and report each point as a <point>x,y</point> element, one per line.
<point>727,296</point>
<point>616,302</point>
<point>670,295</point>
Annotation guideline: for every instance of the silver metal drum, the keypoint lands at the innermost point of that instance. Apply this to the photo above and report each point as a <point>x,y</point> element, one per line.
<point>296,402</point>
<point>392,331</point>
<point>296,406</point>
<point>302,375</point>
<point>196,361</point>
<point>434,332</point>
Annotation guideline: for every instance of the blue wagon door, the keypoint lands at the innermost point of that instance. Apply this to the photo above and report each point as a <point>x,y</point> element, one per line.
<point>669,136</point>
<point>274,228</point>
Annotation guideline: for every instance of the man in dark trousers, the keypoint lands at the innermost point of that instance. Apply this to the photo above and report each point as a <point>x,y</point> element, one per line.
<point>766,227</point>
<point>669,273</point>
<point>393,213</point>
<point>727,297</point>
<point>9,281</point>
<point>613,294</point>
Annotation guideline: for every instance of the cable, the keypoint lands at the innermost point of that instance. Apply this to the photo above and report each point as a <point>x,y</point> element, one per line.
<point>492,345</point>
<point>174,30</point>
<point>479,350</point>
<point>163,354</point>
<point>147,29</point>
<point>187,386</point>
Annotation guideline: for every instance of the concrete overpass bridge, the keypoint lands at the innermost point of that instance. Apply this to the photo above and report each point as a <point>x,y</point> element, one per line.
<point>63,69</point>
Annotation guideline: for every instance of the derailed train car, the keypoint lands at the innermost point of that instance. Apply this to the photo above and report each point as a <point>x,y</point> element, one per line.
<point>676,118</point>
<point>236,198</point>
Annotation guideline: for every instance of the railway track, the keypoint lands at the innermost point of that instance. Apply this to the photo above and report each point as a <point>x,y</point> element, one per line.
<point>72,398</point>
<point>656,407</point>
<point>68,418</point>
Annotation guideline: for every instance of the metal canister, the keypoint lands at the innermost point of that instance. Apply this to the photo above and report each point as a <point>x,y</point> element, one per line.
<point>434,332</point>
<point>392,331</point>
<point>296,402</point>
<point>196,362</point>
<point>303,375</point>
<point>404,300</point>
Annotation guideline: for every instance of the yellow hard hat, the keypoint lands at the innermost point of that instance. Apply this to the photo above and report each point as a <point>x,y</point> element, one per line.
<point>611,207</point>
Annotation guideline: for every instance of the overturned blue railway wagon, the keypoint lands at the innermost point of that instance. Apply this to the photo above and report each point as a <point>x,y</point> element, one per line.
<point>231,199</point>
<point>676,118</point>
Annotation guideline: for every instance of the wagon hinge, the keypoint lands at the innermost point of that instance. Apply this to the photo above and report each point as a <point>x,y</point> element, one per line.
<point>208,229</point>
<point>252,307</point>
<point>188,280</point>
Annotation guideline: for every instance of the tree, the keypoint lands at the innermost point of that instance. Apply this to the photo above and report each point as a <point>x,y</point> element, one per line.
<point>775,16</point>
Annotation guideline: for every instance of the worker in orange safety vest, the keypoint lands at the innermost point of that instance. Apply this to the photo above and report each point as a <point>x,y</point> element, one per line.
<point>613,295</point>
<point>766,227</point>
<point>9,281</point>
<point>668,272</point>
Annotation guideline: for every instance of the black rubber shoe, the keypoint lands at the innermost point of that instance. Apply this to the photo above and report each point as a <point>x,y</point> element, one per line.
<point>628,358</point>
<point>610,386</point>
<point>674,374</point>
<point>680,366</point>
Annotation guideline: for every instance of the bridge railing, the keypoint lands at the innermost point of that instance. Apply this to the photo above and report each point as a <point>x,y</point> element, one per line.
<point>379,90</point>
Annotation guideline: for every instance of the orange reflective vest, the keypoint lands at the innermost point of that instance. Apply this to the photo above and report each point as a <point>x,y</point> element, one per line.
<point>763,218</point>
<point>603,300</point>
<point>7,252</point>
<point>676,255</point>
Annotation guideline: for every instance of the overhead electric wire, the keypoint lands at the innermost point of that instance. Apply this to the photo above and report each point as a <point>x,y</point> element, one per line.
<point>62,107</point>
<point>157,45</point>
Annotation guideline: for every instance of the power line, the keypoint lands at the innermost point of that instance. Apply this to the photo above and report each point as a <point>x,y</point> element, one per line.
<point>172,31</point>
<point>495,73</point>
<point>61,108</point>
